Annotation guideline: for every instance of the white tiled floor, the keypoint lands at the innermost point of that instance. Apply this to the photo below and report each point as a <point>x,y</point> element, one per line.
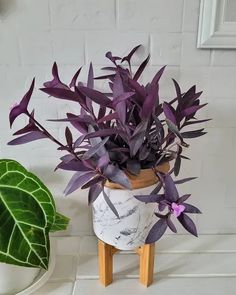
<point>183,265</point>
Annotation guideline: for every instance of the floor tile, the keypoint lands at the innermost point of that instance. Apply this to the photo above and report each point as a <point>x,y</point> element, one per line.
<point>59,288</point>
<point>166,286</point>
<point>65,268</point>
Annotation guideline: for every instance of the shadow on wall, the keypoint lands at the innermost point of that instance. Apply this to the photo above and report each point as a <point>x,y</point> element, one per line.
<point>6,7</point>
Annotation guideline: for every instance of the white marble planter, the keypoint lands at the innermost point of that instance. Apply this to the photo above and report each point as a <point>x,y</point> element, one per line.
<point>136,218</point>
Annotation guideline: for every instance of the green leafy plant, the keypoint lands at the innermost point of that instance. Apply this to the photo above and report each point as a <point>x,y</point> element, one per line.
<point>27,216</point>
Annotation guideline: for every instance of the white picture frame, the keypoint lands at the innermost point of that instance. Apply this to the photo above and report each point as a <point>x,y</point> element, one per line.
<point>214,31</point>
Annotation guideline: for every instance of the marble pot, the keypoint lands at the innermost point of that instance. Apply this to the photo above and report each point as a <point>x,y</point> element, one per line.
<point>136,218</point>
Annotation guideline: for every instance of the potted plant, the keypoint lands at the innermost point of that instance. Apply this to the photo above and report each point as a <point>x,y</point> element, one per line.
<point>129,144</point>
<point>27,215</point>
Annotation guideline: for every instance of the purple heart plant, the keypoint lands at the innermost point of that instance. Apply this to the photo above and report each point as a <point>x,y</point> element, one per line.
<point>131,130</point>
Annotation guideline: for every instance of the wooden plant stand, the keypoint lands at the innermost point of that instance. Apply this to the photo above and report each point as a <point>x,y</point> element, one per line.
<point>105,257</point>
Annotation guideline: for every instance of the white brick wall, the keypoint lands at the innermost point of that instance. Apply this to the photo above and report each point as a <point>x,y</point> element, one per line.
<point>35,33</point>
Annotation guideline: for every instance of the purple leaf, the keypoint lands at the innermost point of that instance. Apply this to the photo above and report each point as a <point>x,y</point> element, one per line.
<point>79,140</point>
<point>78,180</point>
<point>28,128</point>
<point>94,192</point>
<point>148,106</point>
<point>55,82</point>
<point>73,165</point>
<point>109,117</point>
<point>96,96</point>
<point>171,192</point>
<point>69,138</point>
<point>95,149</point>
<point>171,224</point>
<point>116,175</point>
<point>188,224</point>
<point>173,128</point>
<point>118,87</point>
<point>169,112</point>
<point>74,79</point>
<point>183,198</point>
<point>177,89</point>
<point>157,188</point>
<point>177,165</point>
<point>192,110</point>
<point>129,56</point>
<point>31,136</point>
<point>196,122</point>
<point>150,198</point>
<point>122,98</point>
<point>104,132</point>
<point>191,209</point>
<point>109,203</point>
<point>157,77</point>
<point>157,231</point>
<point>141,68</point>
<point>93,181</point>
<point>21,108</point>
<point>193,134</point>
<point>184,180</point>
<point>112,58</point>
<point>62,94</point>
<point>103,161</point>
<point>81,126</point>
<point>133,166</point>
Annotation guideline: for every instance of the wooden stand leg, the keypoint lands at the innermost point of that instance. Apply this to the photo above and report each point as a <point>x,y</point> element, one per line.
<point>105,256</point>
<point>147,254</point>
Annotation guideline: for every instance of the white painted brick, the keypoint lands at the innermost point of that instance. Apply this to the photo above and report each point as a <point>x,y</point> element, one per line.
<point>191,55</point>
<point>36,47</point>
<point>119,44</point>
<point>199,76</point>
<point>211,143</point>
<point>166,48</point>
<point>190,17</point>
<point>223,57</point>
<point>9,53</point>
<point>31,13</point>
<point>221,82</point>
<point>217,220</point>
<point>68,47</point>
<point>217,167</point>
<point>151,15</point>
<point>83,14</point>
<point>222,111</point>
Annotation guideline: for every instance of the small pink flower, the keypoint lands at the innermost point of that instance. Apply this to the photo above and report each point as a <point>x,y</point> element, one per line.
<point>177,209</point>
<point>13,106</point>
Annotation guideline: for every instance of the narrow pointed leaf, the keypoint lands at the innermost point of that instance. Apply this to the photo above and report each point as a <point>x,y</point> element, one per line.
<point>94,192</point>
<point>96,96</point>
<point>188,224</point>
<point>157,231</point>
<point>110,204</point>
<point>94,149</point>
<point>78,180</point>
<point>31,136</point>
<point>191,209</point>
<point>141,68</point>
<point>171,192</point>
